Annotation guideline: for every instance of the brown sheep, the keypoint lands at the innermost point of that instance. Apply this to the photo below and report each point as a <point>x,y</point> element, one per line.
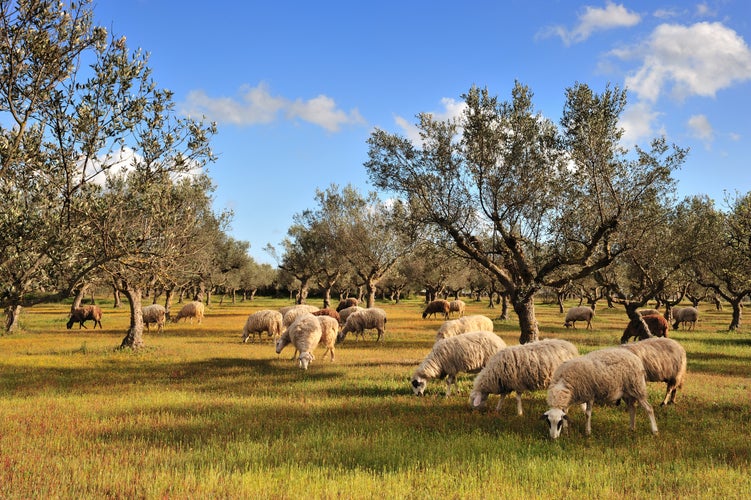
<point>345,303</point>
<point>437,306</point>
<point>81,314</point>
<point>328,312</point>
<point>658,327</point>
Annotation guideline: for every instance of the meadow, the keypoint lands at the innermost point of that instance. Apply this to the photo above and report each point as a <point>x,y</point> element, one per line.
<point>198,414</point>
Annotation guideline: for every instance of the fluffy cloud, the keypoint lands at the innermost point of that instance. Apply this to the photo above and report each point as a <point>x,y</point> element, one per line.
<point>688,60</point>
<point>594,19</point>
<point>637,122</point>
<point>256,105</point>
<point>451,109</point>
<point>701,128</point>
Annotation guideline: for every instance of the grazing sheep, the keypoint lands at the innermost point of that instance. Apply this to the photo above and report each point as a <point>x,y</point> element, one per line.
<point>328,312</point>
<point>329,331</point>
<point>472,323</point>
<point>520,368</point>
<point>345,313</point>
<point>465,353</point>
<point>154,313</point>
<point>684,315</point>
<point>191,310</point>
<point>603,376</point>
<point>291,313</point>
<point>664,361</point>
<point>265,320</point>
<point>305,334</point>
<point>648,312</point>
<point>359,321</point>
<point>82,314</point>
<point>345,303</point>
<point>657,325</point>
<point>581,313</point>
<point>457,306</point>
<point>437,306</point>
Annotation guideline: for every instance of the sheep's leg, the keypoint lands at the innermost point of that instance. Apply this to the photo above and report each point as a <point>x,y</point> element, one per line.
<point>669,394</point>
<point>450,380</point>
<point>588,412</point>
<point>519,410</point>
<point>500,402</point>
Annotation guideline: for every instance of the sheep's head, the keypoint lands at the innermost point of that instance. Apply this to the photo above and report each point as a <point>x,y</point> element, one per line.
<point>557,420</point>
<point>281,342</point>
<point>305,359</point>
<point>477,399</point>
<point>418,385</point>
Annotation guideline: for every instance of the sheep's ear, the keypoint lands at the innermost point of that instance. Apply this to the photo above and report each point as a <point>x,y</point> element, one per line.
<point>544,416</point>
<point>565,417</point>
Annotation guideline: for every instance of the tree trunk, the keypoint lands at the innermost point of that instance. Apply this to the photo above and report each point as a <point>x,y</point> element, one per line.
<point>560,297</point>
<point>12,313</point>
<point>78,298</point>
<point>134,337</point>
<point>504,307</point>
<point>735,322</point>
<point>525,309</point>
<point>116,297</point>
<point>371,291</point>
<point>326,297</point>
<point>168,295</point>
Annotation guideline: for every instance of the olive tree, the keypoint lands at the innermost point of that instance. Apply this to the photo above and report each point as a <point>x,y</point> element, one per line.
<point>555,200</point>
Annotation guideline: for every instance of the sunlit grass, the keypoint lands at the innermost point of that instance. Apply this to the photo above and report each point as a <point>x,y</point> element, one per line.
<point>198,414</point>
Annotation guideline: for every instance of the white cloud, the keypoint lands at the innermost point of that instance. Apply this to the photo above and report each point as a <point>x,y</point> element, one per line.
<point>696,60</point>
<point>451,109</point>
<point>256,105</point>
<point>595,19</point>
<point>637,122</point>
<point>701,128</point>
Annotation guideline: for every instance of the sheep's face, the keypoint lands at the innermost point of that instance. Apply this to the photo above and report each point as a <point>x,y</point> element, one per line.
<point>418,385</point>
<point>305,359</point>
<point>477,399</point>
<point>280,343</point>
<point>557,421</point>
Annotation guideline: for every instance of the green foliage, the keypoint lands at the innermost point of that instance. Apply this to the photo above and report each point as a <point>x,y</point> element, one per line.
<point>198,414</point>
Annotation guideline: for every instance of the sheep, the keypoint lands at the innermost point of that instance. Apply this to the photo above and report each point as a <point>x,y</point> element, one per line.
<point>437,306</point>
<point>265,320</point>
<point>367,319</point>
<point>329,331</point>
<point>684,315</point>
<point>581,313</point>
<point>465,353</point>
<point>345,303</point>
<point>657,325</point>
<point>82,314</point>
<point>605,375</point>
<point>664,361</point>
<point>472,323</point>
<point>305,334</point>
<point>328,312</point>
<point>291,313</point>
<point>345,313</point>
<point>520,368</point>
<point>191,310</point>
<point>648,312</point>
<point>457,306</point>
<point>154,313</point>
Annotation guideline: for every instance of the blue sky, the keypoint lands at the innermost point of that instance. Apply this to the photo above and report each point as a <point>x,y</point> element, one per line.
<point>297,87</point>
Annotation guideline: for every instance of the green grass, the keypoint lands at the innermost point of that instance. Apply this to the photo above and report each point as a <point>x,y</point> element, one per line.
<point>197,414</point>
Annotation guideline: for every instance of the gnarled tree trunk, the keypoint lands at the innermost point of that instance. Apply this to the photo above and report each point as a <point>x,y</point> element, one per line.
<point>134,337</point>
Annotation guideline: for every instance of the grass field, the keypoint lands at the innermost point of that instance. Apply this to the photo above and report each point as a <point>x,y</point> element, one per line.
<point>197,414</point>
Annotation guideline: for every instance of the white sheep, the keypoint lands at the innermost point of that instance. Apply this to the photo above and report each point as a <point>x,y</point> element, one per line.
<point>329,331</point>
<point>603,376</point>
<point>472,323</point>
<point>191,310</point>
<point>305,334</point>
<point>648,312</point>
<point>464,353</point>
<point>457,306</point>
<point>684,315</point>
<point>265,320</point>
<point>291,313</point>
<point>664,360</point>
<point>359,321</point>
<point>154,313</point>
<point>344,313</point>
<point>581,313</point>
<point>520,368</point>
